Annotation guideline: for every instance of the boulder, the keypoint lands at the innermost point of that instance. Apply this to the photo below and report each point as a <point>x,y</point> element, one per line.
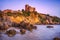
<point>11,33</point>
<point>22,31</point>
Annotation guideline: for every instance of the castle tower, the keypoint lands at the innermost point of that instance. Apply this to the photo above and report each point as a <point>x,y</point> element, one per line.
<point>26,7</point>
<point>29,8</point>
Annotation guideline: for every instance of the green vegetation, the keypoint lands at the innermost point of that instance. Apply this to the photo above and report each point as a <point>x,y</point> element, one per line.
<point>56,19</point>
<point>26,13</point>
<point>9,14</point>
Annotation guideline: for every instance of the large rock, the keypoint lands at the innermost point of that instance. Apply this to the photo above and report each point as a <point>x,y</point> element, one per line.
<point>11,33</point>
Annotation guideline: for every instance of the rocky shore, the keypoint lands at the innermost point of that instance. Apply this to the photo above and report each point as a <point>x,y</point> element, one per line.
<point>22,26</point>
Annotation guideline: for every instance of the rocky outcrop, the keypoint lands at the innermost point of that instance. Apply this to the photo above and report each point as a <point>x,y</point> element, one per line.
<point>29,15</point>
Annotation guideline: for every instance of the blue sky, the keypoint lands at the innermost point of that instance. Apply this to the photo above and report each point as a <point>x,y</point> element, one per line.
<point>51,7</point>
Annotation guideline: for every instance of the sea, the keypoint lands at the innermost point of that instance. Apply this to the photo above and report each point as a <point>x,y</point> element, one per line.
<point>41,33</point>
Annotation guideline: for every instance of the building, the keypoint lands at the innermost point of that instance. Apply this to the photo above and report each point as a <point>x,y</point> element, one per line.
<point>26,7</point>
<point>29,8</point>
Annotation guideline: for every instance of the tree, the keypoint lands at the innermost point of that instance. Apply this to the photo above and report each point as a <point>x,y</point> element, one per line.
<point>28,13</point>
<point>23,10</point>
<point>56,19</point>
<point>47,14</point>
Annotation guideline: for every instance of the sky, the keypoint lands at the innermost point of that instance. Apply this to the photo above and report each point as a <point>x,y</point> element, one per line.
<point>51,7</point>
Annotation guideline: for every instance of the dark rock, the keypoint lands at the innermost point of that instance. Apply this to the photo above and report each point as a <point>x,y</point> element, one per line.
<point>49,26</point>
<point>3,27</point>
<point>15,24</point>
<point>29,28</point>
<point>22,31</point>
<point>56,38</point>
<point>11,33</point>
<point>35,27</point>
<point>23,25</point>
